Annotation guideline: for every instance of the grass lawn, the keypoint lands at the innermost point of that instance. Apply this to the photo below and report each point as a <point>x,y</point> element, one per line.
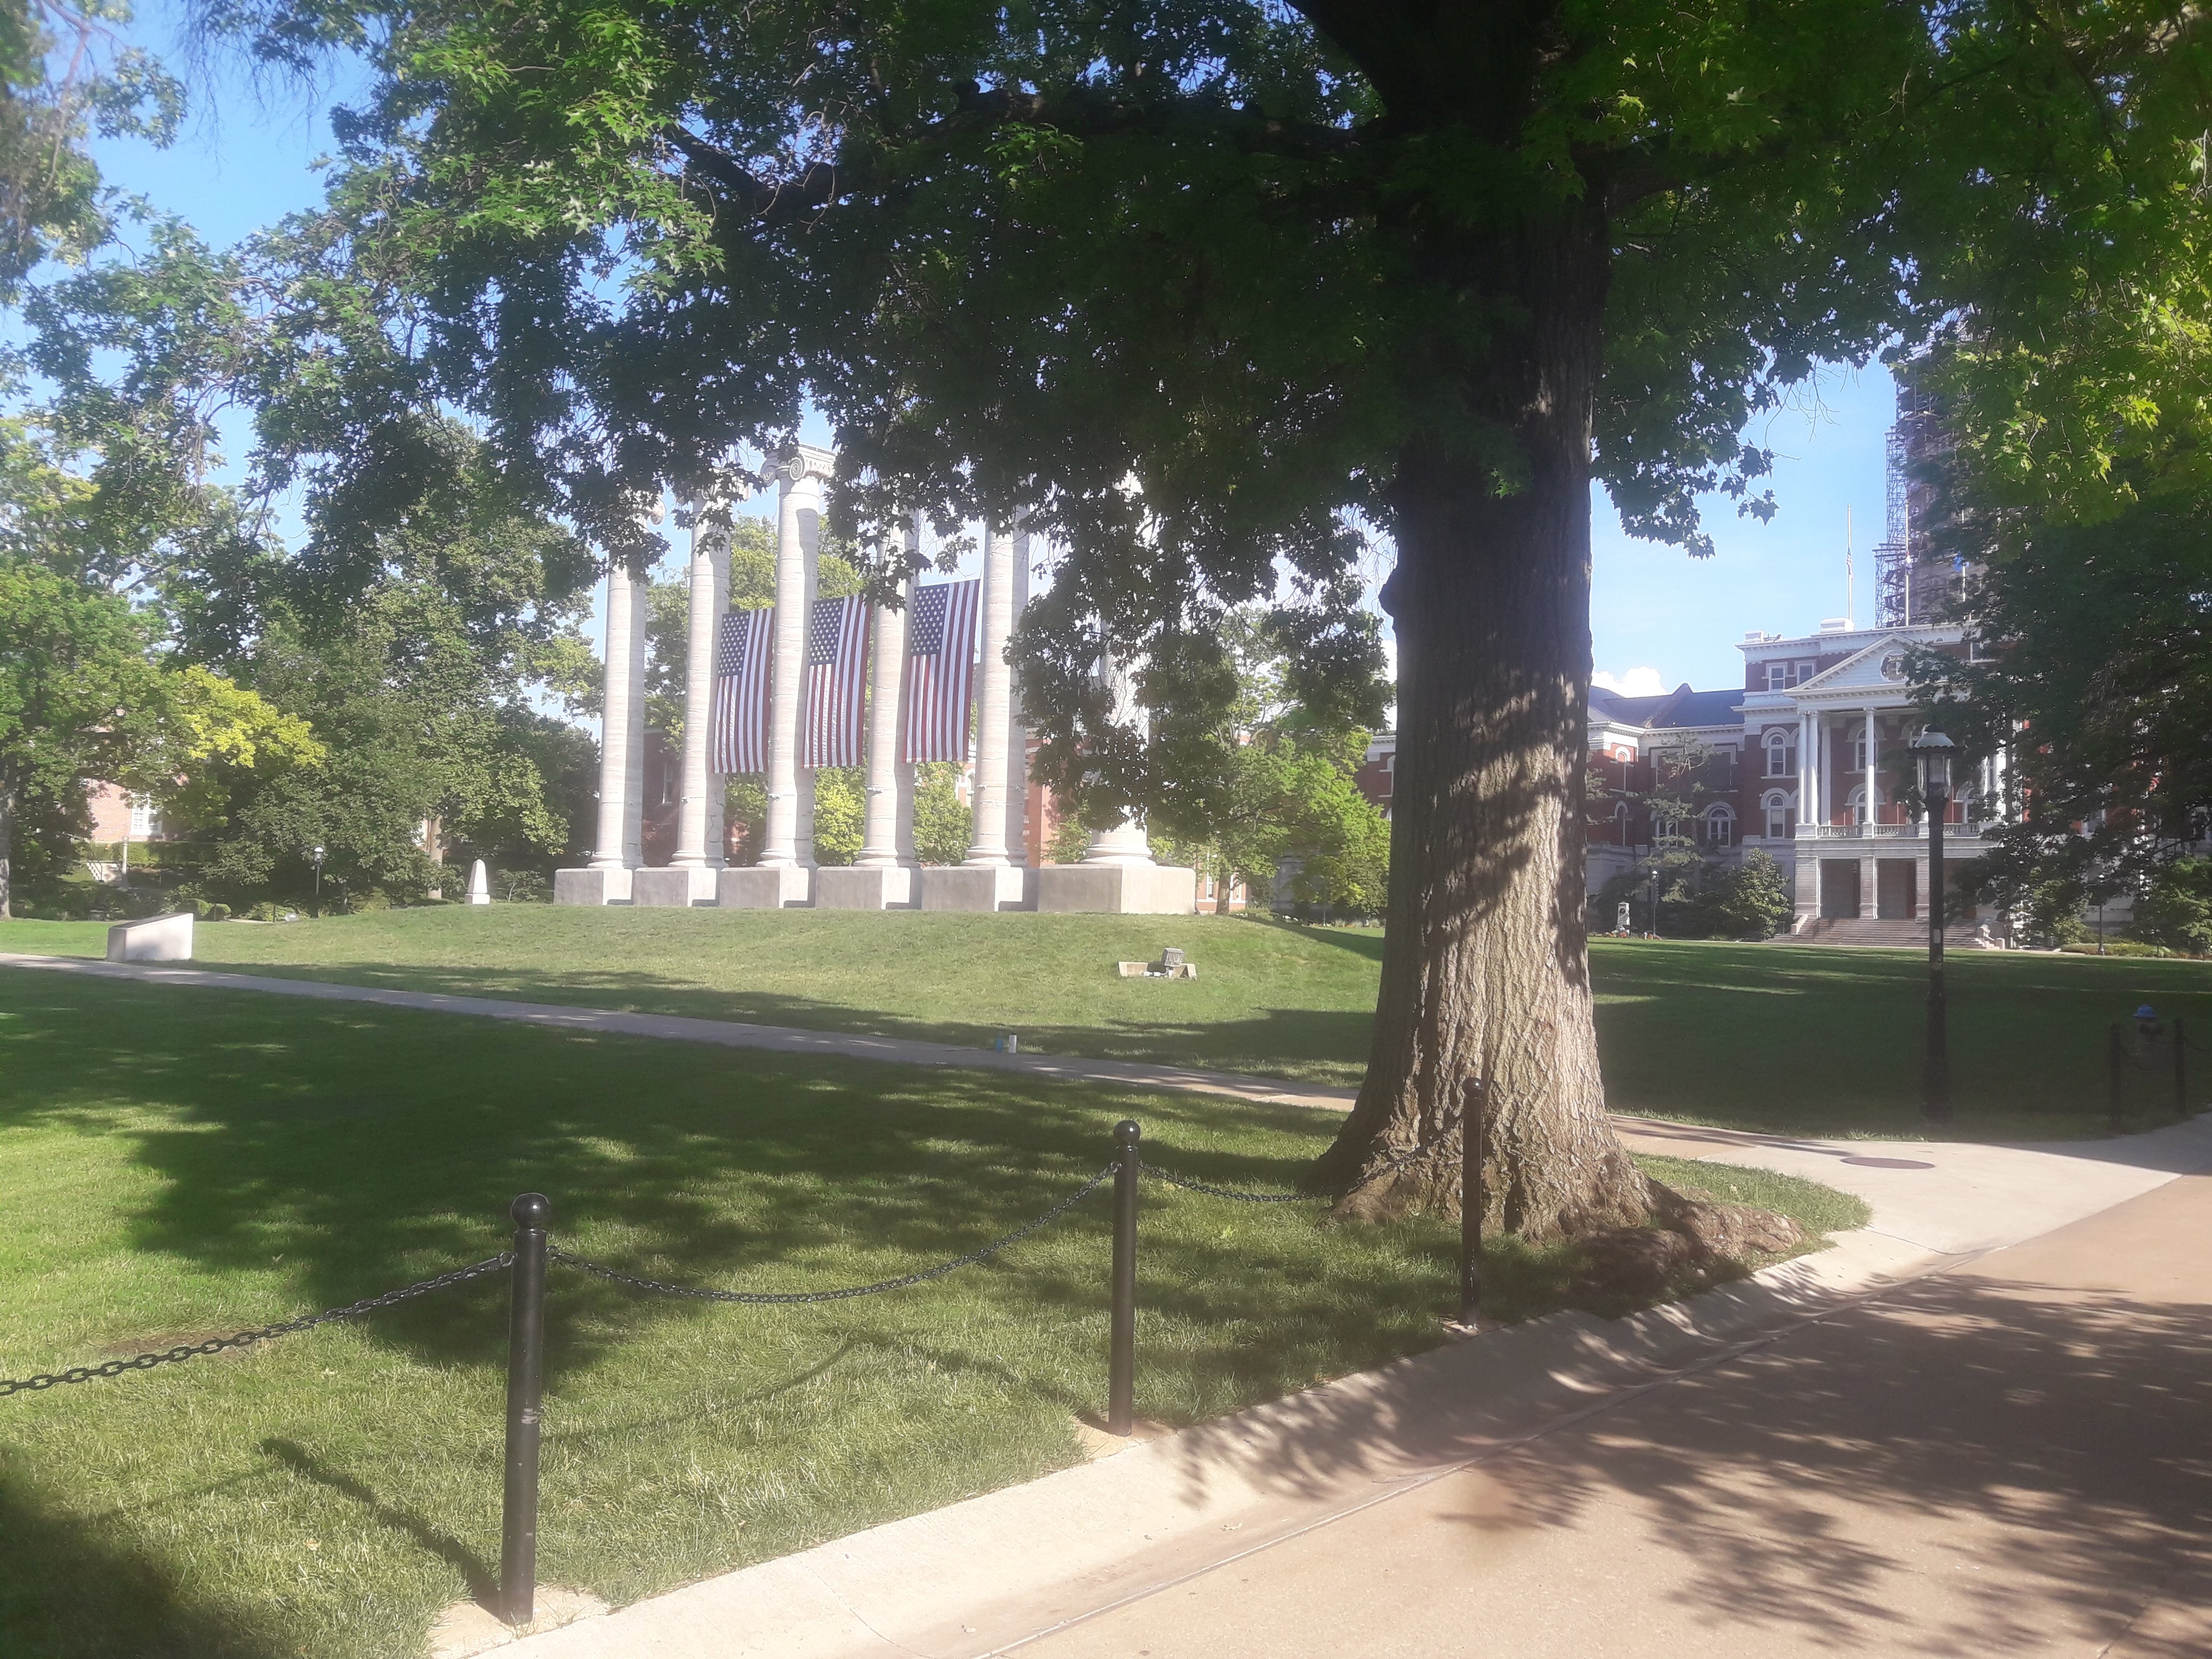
<point>1791,1039</point>
<point>177,1163</point>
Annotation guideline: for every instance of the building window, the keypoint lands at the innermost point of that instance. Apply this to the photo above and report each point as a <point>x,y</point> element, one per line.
<point>1781,758</point>
<point>1720,827</point>
<point>1779,676</point>
<point>1776,808</point>
<point>1857,805</point>
<point>145,822</point>
<point>1804,673</point>
<point>1620,823</point>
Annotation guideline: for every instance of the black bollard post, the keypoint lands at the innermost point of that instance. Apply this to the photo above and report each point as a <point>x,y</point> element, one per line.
<point>2181,1069</point>
<point>525,1381</point>
<point>2116,1060</point>
<point>1121,1357</point>
<point>1473,1143</point>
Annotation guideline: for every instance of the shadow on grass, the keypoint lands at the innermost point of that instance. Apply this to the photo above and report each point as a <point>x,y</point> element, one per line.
<point>481,1579</point>
<point>73,1589</point>
<point>1321,1045</point>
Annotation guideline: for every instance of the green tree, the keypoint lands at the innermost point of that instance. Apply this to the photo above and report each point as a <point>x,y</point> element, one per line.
<point>2093,672</point>
<point>1208,286</point>
<point>944,827</point>
<point>1754,900</point>
<point>2174,909</point>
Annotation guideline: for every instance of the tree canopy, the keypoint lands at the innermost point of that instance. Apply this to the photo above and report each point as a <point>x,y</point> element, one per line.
<point>1220,292</point>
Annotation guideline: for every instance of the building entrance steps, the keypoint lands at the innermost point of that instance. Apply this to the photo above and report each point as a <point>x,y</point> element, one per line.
<point>1769,1469</point>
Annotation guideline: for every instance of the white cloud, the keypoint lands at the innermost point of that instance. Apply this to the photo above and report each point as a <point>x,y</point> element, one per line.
<point>1636,683</point>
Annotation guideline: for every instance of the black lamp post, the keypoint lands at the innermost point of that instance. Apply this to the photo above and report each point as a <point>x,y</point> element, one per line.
<point>1934,750</point>
<point>317,855</point>
<point>1651,906</point>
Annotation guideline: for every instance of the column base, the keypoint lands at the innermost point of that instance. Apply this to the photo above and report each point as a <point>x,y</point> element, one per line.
<point>864,887</point>
<point>1124,889</point>
<point>598,884</point>
<point>676,887</point>
<point>764,887</point>
<point>978,888</point>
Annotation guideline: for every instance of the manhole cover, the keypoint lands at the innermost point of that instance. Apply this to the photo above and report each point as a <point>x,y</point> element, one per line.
<point>1888,1164</point>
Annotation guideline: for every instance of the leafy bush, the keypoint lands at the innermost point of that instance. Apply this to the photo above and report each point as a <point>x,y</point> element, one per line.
<point>2115,947</point>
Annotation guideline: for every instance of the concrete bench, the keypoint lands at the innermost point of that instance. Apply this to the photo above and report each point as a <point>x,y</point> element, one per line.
<point>157,938</point>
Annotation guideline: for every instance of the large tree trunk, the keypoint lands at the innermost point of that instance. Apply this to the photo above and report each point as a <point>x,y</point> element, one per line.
<point>1485,971</point>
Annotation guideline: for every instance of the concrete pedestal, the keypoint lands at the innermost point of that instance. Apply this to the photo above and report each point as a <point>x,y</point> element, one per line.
<point>1120,889</point>
<point>598,884</point>
<point>157,938</point>
<point>976,887</point>
<point>676,887</point>
<point>864,887</point>
<point>764,887</point>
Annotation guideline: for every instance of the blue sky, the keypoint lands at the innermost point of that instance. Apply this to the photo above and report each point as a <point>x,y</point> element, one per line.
<point>1657,616</point>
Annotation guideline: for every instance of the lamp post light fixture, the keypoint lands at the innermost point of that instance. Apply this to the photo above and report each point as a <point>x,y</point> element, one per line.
<point>1933,750</point>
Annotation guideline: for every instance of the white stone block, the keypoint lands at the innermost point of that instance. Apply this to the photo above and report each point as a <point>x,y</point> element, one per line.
<point>597,885</point>
<point>1124,889</point>
<point>672,887</point>
<point>864,887</point>
<point>479,884</point>
<point>157,938</point>
<point>764,887</point>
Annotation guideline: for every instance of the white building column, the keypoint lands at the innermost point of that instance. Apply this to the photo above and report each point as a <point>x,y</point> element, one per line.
<point>1018,735</point>
<point>889,779</point>
<point>993,703</point>
<point>799,498</point>
<point>717,836</point>
<point>623,652</point>
<point>1873,759</point>
<point>784,876</point>
<point>696,849</point>
<point>1118,872</point>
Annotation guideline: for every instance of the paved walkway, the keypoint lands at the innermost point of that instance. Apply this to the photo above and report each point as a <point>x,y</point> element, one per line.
<point>729,1034</point>
<point>1887,1448</point>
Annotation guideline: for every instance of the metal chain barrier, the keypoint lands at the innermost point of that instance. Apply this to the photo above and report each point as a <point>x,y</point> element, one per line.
<point>146,1362</point>
<point>696,1293</point>
<point>1331,1195</point>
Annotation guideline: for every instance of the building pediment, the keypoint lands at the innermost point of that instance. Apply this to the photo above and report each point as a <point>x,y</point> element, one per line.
<point>1881,666</point>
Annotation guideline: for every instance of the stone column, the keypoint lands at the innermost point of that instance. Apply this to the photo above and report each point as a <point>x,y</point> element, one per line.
<point>625,646</point>
<point>695,850</point>
<point>1126,842</point>
<point>718,839</point>
<point>993,703</point>
<point>1873,759</point>
<point>800,493</point>
<point>1018,735</point>
<point>889,778</point>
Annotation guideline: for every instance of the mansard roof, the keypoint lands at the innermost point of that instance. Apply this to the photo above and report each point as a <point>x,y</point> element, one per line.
<point>1679,708</point>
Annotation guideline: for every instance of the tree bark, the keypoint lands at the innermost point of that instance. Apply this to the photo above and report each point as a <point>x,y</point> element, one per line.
<point>1484,970</point>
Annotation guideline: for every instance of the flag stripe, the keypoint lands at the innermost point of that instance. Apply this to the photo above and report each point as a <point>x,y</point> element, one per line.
<point>836,682</point>
<point>738,739</point>
<point>940,671</point>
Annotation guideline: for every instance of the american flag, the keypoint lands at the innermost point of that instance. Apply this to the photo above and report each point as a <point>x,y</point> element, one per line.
<point>836,680</point>
<point>738,736</point>
<point>940,671</point>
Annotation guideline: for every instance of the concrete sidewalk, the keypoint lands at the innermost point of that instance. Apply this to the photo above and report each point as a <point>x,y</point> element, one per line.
<point>729,1034</point>
<point>1891,1447</point>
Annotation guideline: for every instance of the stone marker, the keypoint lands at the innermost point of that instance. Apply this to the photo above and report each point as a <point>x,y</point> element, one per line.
<point>157,938</point>
<point>479,884</point>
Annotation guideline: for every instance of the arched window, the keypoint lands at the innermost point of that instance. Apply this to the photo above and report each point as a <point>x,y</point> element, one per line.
<point>1775,807</point>
<point>1620,823</point>
<point>1857,804</point>
<point>1720,826</point>
<point>1781,755</point>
